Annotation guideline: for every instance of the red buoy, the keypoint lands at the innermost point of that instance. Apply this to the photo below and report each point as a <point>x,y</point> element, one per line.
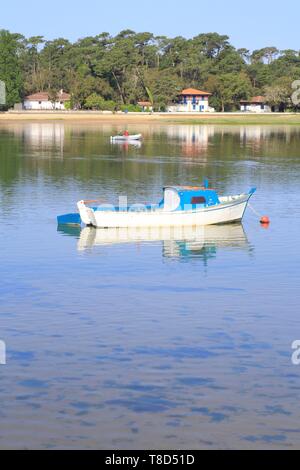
<point>265,220</point>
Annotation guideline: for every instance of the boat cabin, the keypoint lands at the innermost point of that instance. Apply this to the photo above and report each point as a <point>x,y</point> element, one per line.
<point>179,198</point>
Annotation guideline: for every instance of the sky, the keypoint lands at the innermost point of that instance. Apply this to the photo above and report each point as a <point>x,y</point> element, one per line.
<point>253,24</point>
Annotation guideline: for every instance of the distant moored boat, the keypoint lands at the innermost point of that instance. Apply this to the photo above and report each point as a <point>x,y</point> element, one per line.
<point>126,138</point>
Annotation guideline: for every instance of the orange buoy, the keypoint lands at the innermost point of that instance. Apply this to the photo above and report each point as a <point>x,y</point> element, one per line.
<point>265,220</point>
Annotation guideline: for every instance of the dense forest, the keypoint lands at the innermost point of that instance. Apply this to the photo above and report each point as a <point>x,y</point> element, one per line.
<point>106,72</point>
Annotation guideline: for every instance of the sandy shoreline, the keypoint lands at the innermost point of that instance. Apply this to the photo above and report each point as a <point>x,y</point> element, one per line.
<point>145,118</point>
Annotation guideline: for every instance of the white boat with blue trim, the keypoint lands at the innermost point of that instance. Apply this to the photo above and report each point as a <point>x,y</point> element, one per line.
<point>180,206</point>
<point>126,138</point>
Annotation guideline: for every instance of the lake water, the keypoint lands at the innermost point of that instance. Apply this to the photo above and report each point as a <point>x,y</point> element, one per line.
<point>157,341</point>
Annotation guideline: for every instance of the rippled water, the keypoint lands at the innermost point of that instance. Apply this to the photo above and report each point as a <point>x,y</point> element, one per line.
<point>153,340</point>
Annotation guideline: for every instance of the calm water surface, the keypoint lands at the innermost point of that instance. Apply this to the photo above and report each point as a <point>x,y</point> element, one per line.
<point>160,340</point>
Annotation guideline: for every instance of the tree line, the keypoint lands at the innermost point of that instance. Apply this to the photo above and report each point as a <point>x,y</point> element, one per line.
<point>114,72</point>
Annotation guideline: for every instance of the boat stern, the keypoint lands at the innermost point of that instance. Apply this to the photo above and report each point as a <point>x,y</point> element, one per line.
<point>69,219</point>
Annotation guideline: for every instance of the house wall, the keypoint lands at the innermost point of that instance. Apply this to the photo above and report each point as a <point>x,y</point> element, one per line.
<point>191,104</point>
<point>256,108</point>
<point>146,108</point>
<point>43,105</point>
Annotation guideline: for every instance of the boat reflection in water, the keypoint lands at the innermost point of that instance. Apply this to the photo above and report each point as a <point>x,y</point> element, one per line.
<point>125,145</point>
<point>177,242</point>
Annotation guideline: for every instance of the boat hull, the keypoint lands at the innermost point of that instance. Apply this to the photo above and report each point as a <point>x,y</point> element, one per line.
<point>126,138</point>
<point>230,209</point>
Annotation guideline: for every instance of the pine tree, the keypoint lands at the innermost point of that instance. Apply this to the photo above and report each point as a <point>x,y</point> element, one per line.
<point>10,72</point>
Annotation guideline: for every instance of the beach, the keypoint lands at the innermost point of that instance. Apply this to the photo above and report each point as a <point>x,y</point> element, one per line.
<point>144,118</point>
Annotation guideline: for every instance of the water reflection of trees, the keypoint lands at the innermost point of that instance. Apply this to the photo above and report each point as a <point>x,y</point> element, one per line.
<point>169,154</point>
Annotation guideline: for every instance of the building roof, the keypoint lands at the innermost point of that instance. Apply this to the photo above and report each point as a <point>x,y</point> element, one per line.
<point>44,96</point>
<point>193,91</point>
<point>63,96</point>
<point>144,103</point>
<point>189,188</point>
<point>255,100</point>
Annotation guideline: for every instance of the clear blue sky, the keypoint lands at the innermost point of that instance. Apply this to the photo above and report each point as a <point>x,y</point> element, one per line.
<point>253,24</point>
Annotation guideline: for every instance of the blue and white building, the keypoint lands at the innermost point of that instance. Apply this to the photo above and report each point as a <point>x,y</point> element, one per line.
<point>191,100</point>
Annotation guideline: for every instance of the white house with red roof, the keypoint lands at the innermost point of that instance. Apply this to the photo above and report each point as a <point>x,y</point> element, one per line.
<point>41,101</point>
<point>145,105</point>
<point>191,100</point>
<point>257,104</point>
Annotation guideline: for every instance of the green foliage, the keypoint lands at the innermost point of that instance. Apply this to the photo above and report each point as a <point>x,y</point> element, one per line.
<point>131,108</point>
<point>109,72</point>
<point>96,102</point>
<point>165,86</point>
<point>68,105</point>
<point>10,71</point>
<point>150,95</point>
<point>278,95</point>
<point>228,89</point>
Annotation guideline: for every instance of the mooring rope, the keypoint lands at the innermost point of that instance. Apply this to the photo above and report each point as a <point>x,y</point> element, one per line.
<point>253,210</point>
